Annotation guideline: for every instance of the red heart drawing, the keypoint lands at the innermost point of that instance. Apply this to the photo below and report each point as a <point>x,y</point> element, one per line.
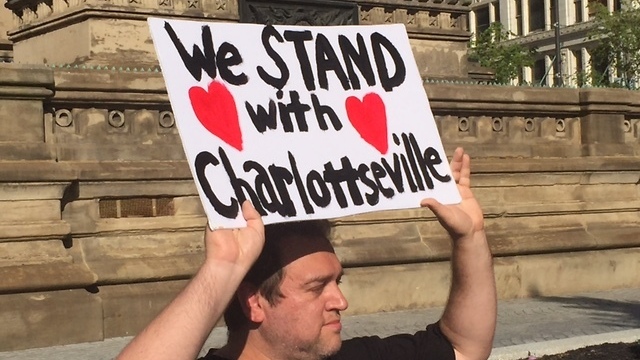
<point>369,118</point>
<point>216,110</point>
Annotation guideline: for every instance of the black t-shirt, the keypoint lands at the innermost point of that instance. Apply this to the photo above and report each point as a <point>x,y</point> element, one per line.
<point>428,344</point>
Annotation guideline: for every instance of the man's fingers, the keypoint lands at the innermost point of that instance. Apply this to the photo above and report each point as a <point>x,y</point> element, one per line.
<point>465,171</point>
<point>433,205</point>
<point>252,216</point>
<point>456,163</point>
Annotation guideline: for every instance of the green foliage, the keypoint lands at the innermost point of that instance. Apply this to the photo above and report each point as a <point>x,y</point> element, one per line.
<point>620,43</point>
<point>506,60</point>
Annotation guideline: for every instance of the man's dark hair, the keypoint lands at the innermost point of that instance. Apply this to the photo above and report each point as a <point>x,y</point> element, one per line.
<point>267,272</point>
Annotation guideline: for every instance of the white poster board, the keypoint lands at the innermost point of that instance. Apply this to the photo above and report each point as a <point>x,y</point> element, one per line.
<point>306,122</point>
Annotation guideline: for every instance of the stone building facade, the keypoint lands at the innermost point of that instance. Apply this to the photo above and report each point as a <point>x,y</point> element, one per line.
<point>533,23</point>
<point>101,225</point>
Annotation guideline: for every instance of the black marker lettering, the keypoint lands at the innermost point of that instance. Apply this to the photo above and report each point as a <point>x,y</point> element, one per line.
<point>315,181</point>
<point>358,57</point>
<point>412,161</point>
<point>262,119</point>
<point>262,185</point>
<point>296,176</point>
<point>198,61</point>
<point>240,185</point>
<point>277,82</point>
<point>395,173</point>
<point>298,38</point>
<point>378,173</point>
<point>432,158</point>
<point>282,177</point>
<point>224,62</point>
<point>327,60</point>
<point>374,197</point>
<point>379,41</point>
<point>321,111</point>
<point>202,160</point>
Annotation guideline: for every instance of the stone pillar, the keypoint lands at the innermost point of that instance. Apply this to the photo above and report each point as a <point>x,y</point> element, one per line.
<point>602,126</point>
<point>547,15</point>
<point>472,24</point>
<point>22,93</point>
<point>492,12</point>
<point>586,63</point>
<point>548,64</point>
<point>525,17</point>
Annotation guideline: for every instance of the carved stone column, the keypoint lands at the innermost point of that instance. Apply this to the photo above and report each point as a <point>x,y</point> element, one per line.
<point>99,32</point>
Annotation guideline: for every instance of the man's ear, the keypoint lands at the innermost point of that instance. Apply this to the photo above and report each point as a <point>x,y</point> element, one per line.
<point>249,297</point>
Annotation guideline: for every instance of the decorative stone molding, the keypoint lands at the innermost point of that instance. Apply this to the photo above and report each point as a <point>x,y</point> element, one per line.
<point>415,20</point>
<point>288,12</point>
<point>32,12</point>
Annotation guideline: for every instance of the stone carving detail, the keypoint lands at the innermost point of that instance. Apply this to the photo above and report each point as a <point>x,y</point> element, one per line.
<point>284,13</point>
<point>497,125</point>
<point>28,11</point>
<point>510,129</point>
<point>116,118</point>
<point>463,124</point>
<point>413,18</point>
<point>166,119</point>
<point>529,125</point>
<point>63,118</point>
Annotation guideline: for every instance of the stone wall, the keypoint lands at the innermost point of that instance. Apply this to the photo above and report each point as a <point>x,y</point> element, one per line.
<point>100,223</point>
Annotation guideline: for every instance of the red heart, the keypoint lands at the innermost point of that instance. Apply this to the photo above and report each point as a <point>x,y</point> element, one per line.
<point>216,110</point>
<point>369,118</point>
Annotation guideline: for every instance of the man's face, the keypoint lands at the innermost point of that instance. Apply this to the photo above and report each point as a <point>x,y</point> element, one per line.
<point>305,323</point>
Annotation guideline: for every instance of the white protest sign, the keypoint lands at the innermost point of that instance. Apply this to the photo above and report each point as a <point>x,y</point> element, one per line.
<point>305,122</point>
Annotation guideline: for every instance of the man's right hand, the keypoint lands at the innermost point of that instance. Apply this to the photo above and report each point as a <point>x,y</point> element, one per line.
<point>237,246</point>
<point>181,329</point>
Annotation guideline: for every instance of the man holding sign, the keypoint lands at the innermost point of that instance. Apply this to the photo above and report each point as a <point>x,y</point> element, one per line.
<point>283,124</point>
<point>294,313</point>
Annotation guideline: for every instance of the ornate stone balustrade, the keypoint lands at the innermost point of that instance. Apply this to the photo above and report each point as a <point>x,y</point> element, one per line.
<point>100,223</point>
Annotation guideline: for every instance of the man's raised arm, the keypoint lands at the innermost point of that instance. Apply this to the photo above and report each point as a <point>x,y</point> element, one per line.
<point>181,329</point>
<point>469,318</point>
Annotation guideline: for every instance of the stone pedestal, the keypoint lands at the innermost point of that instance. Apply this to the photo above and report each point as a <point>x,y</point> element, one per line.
<point>115,32</point>
<point>98,32</point>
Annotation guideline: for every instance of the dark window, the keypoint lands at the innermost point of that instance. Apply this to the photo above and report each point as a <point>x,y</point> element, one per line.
<point>580,70</point>
<point>496,11</point>
<point>539,70</point>
<point>136,207</point>
<point>577,5</point>
<point>519,16</point>
<point>536,15</point>
<point>482,19</point>
<point>599,69</point>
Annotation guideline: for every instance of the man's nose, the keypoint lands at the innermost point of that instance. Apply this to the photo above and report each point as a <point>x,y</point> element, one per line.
<point>338,301</point>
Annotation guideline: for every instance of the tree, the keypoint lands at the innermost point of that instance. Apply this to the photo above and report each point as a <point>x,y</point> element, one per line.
<point>619,44</point>
<point>506,59</point>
